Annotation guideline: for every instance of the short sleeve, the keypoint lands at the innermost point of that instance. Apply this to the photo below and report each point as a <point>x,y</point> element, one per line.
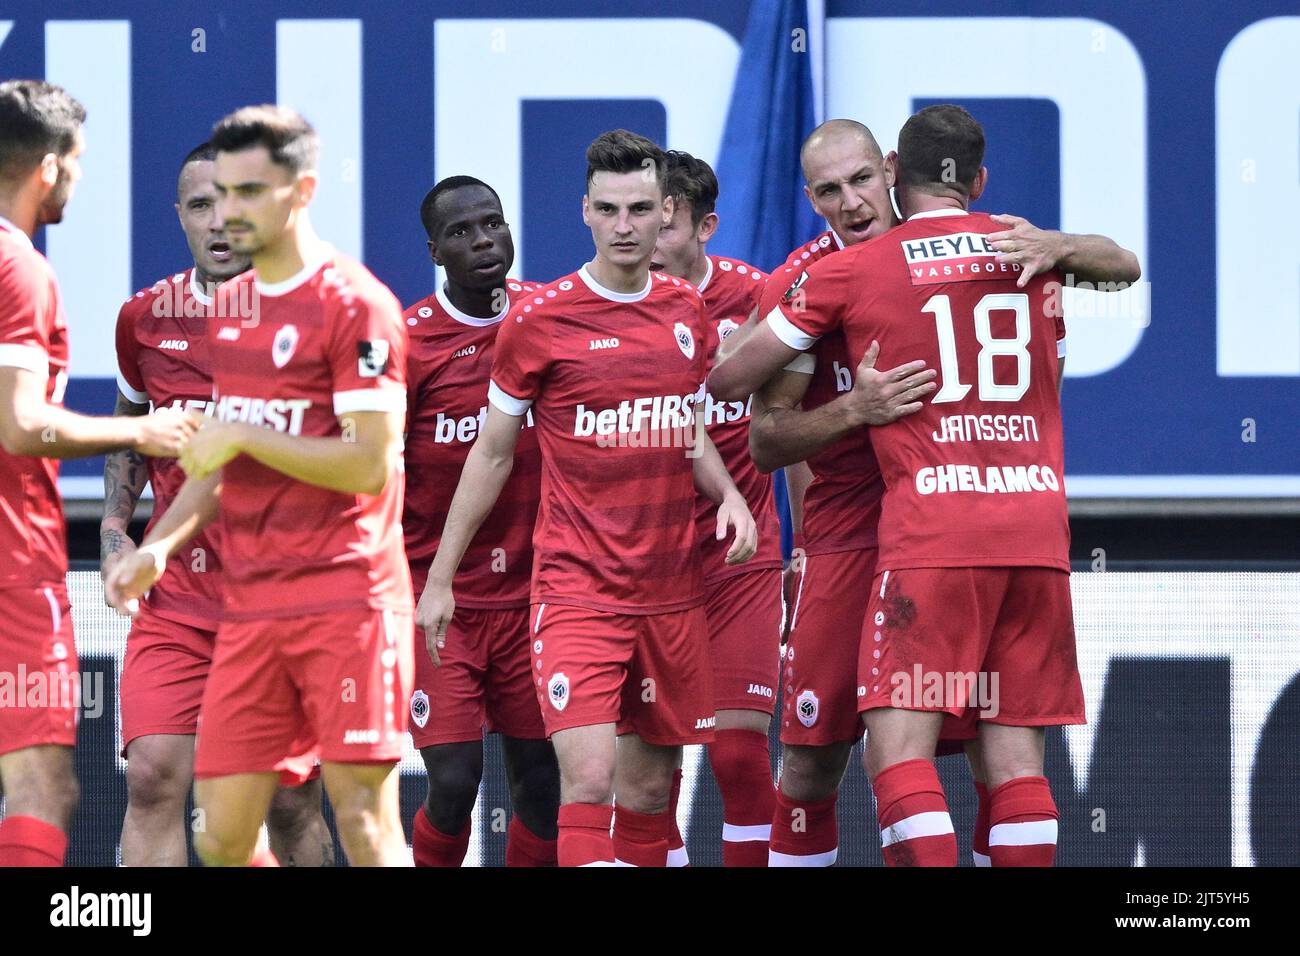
<point>129,379</point>
<point>24,303</point>
<point>523,356</point>
<point>367,353</point>
<point>808,308</point>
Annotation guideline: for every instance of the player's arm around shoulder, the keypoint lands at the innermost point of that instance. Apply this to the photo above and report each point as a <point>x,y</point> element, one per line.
<point>1086,258</point>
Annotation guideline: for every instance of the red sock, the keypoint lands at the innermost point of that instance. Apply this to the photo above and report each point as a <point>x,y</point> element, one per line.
<point>584,835</point>
<point>263,857</point>
<point>1022,823</point>
<point>526,848</point>
<point>640,839</point>
<point>915,827</point>
<point>804,832</point>
<point>431,847</point>
<point>980,841</point>
<point>27,841</point>
<point>676,845</point>
<point>743,768</point>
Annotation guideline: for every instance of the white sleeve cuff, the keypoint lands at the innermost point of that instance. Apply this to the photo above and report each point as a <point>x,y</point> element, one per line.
<point>385,399</point>
<point>1060,347</point>
<point>507,402</point>
<point>803,364</point>
<point>140,398</point>
<point>788,332</point>
<point>30,357</point>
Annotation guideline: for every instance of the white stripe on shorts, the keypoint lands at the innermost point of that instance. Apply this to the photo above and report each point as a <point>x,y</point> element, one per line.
<point>56,615</point>
<point>537,625</point>
<point>883,581</point>
<point>930,823</point>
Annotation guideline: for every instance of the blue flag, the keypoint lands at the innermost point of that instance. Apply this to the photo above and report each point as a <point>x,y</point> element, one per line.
<point>761,207</point>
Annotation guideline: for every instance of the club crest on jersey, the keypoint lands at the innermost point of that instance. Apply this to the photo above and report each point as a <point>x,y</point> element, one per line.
<point>372,358</point>
<point>286,342</point>
<point>725,328</point>
<point>791,292</point>
<point>557,690</point>
<point>685,341</point>
<point>420,708</point>
<point>807,706</point>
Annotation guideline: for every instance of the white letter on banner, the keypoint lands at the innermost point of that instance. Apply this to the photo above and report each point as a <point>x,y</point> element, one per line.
<point>556,60</point>
<point>1099,89</point>
<point>1257,100</point>
<point>318,73</point>
<point>91,249</point>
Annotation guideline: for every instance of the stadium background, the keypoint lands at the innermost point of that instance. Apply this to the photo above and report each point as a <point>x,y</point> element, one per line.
<point>1182,399</point>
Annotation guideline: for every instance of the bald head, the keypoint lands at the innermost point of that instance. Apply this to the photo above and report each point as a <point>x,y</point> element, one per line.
<point>836,136</point>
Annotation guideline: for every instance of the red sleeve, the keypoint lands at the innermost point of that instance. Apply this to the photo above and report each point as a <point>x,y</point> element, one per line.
<point>129,380</point>
<point>523,355</point>
<point>24,304</point>
<point>367,353</point>
<point>810,306</point>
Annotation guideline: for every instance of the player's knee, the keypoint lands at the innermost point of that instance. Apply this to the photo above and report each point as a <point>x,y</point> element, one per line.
<point>217,848</point>
<point>49,792</point>
<point>293,810</point>
<point>152,783</point>
<point>590,780</point>
<point>454,777</point>
<point>535,795</point>
<point>811,773</point>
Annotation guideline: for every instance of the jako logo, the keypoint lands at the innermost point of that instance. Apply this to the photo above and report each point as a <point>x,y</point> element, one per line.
<point>603,344</point>
<point>467,350</point>
<point>760,690</point>
<point>705,723</point>
<point>103,909</point>
<point>176,345</point>
<point>366,736</point>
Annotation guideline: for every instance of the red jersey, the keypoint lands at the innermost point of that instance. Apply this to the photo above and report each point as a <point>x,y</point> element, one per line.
<point>162,359</point>
<point>325,343</point>
<point>731,290</point>
<point>33,336</point>
<point>841,506</point>
<point>612,379</point>
<point>975,478</point>
<point>447,385</point>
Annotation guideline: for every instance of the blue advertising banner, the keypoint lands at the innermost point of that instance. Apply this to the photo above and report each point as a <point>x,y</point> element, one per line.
<point>1171,129</point>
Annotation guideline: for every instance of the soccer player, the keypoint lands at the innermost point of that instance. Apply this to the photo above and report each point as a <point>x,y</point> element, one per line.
<point>610,360</point>
<point>743,603</point>
<point>814,412</point>
<point>162,357</point>
<point>484,671</point>
<point>973,573</point>
<point>314,648</point>
<point>40,142</point>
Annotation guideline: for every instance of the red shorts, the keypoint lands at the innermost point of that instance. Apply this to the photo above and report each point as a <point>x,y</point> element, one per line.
<point>40,683</point>
<point>285,691</point>
<point>485,680</point>
<point>999,641</point>
<point>163,675</point>
<point>648,673</point>
<point>744,618</point>
<point>821,656</point>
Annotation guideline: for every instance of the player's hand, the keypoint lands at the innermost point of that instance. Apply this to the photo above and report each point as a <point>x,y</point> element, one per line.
<point>210,447</point>
<point>879,398</point>
<point>1035,250</point>
<point>164,432</point>
<point>131,577</point>
<point>434,613</point>
<point>734,513</point>
<point>114,546</point>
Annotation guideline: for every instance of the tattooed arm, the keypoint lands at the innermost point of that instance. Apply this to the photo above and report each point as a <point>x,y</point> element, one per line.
<point>125,476</point>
